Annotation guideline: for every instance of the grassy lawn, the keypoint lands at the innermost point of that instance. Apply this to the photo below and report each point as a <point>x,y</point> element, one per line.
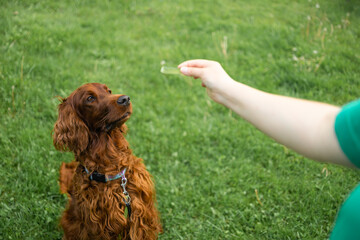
<point>217,177</point>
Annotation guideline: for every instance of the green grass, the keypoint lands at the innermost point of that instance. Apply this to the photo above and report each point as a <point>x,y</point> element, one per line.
<point>207,162</point>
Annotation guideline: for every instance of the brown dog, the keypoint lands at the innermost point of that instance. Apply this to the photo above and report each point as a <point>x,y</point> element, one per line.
<point>111,194</point>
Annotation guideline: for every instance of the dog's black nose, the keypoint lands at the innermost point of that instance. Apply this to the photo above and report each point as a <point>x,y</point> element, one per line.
<point>123,100</point>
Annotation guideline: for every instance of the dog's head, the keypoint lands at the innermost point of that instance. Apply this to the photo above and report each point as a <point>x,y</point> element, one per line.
<point>89,111</point>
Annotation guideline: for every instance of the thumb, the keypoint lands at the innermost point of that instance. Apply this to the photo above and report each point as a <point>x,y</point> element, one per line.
<point>192,71</point>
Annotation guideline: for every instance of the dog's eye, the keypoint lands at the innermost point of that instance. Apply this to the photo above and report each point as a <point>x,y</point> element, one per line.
<point>109,91</point>
<point>91,99</point>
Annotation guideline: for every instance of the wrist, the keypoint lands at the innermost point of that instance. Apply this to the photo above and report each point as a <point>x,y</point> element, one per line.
<point>225,91</point>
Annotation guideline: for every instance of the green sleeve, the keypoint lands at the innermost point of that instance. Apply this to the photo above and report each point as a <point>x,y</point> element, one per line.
<point>347,129</point>
<point>348,219</point>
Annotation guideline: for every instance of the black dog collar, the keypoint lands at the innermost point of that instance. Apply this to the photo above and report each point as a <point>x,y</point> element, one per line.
<point>102,177</point>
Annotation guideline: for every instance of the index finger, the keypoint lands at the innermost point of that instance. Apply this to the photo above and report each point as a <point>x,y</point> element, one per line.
<point>200,63</point>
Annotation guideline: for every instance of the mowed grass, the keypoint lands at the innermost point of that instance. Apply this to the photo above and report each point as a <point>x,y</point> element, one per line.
<point>217,177</point>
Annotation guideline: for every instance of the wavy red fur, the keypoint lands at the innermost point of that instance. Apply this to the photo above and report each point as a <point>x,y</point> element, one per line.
<point>95,209</point>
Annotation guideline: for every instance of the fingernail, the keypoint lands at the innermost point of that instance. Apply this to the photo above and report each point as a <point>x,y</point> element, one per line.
<point>184,70</point>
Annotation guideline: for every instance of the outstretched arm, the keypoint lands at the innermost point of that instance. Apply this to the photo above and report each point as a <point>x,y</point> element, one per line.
<point>307,127</point>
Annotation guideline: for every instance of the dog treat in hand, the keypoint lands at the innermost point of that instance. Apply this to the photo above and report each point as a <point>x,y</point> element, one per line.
<point>169,70</point>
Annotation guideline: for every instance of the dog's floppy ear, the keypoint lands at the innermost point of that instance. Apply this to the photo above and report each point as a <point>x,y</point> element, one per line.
<point>70,132</point>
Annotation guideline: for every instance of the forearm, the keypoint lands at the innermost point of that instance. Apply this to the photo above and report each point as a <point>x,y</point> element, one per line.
<point>304,126</point>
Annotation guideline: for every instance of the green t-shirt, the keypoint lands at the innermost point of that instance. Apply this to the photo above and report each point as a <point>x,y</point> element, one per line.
<point>347,129</point>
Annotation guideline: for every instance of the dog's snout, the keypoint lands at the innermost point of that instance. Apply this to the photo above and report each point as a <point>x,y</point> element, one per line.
<point>123,100</point>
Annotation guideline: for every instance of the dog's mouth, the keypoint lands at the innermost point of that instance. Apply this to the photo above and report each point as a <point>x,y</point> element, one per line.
<point>118,122</point>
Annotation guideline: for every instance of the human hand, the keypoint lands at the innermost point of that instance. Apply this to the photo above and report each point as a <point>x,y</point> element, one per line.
<point>212,75</point>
